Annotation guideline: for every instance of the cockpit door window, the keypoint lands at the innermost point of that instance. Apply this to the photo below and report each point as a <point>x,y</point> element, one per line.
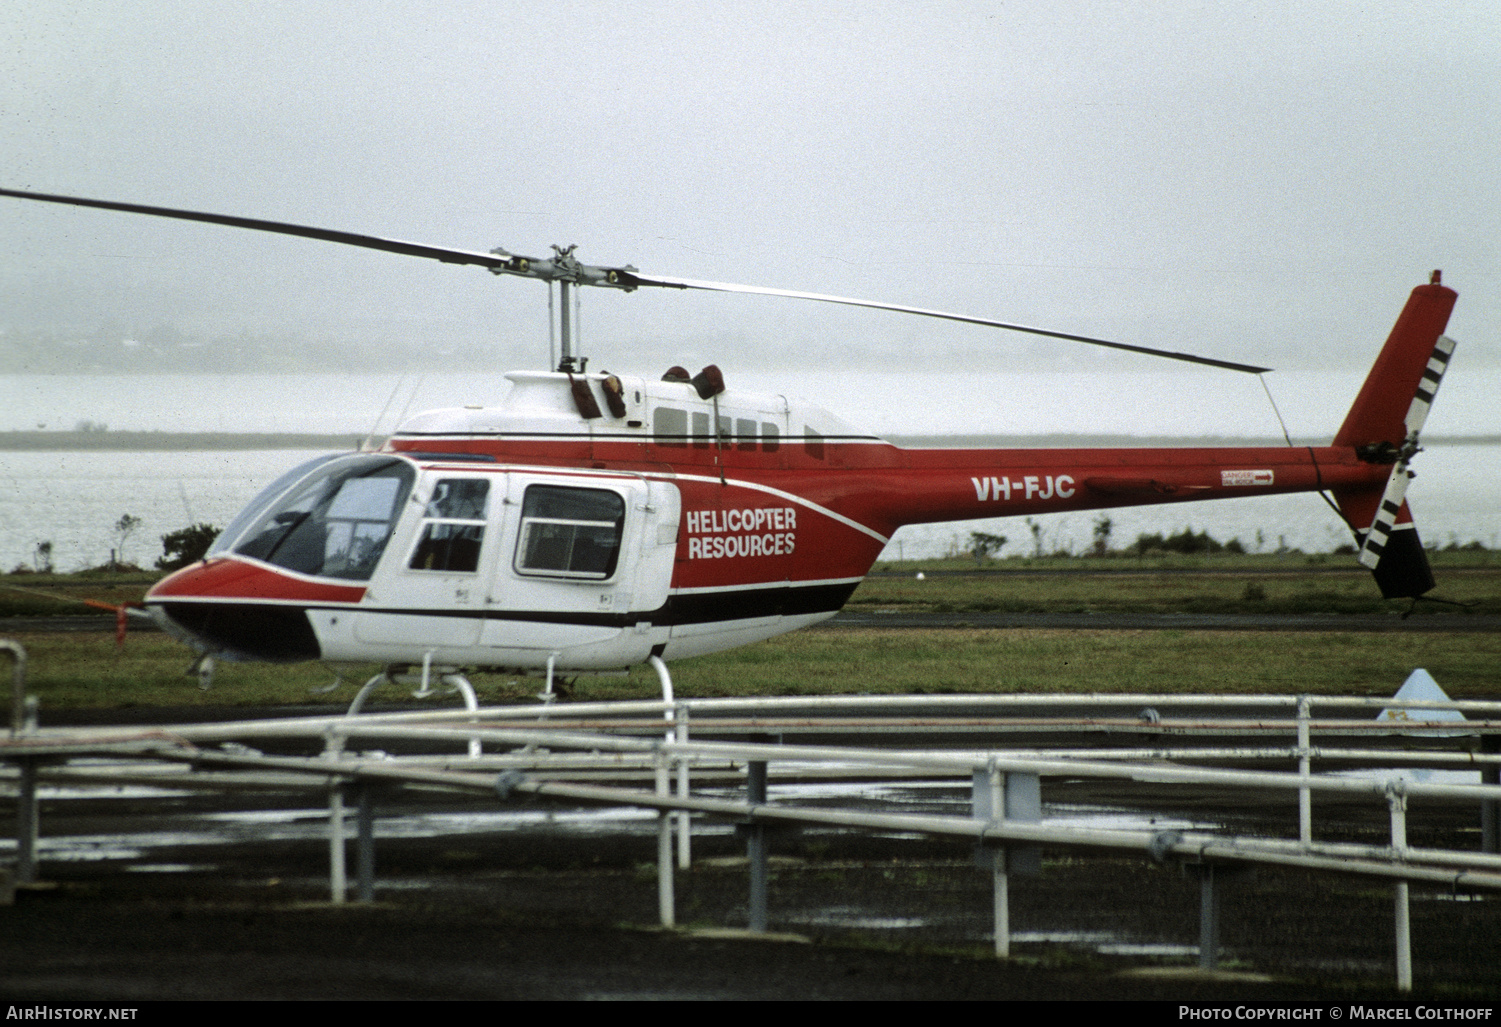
<point>453,526</point>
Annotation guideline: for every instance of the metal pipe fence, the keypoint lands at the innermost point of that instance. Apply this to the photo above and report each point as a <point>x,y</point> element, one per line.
<point>550,752</point>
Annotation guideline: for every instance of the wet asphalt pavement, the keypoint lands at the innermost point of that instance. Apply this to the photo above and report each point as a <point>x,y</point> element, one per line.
<point>550,903</point>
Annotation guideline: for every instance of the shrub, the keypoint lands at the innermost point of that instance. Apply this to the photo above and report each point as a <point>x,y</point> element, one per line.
<point>1186,541</point>
<point>185,546</point>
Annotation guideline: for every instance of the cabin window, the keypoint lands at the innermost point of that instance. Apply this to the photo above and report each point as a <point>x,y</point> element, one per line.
<point>570,532</point>
<point>453,528</point>
<point>670,426</point>
<point>770,440</point>
<point>814,442</point>
<point>701,435</point>
<point>745,432</point>
<point>335,523</point>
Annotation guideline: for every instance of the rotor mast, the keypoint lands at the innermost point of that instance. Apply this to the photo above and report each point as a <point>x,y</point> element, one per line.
<point>565,328</point>
<point>565,269</point>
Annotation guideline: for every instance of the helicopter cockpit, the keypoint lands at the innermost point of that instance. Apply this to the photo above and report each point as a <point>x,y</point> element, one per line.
<point>330,518</point>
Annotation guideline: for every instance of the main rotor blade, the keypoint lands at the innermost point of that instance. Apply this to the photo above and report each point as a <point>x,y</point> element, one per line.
<point>564,268</point>
<point>689,283</point>
<point>371,242</point>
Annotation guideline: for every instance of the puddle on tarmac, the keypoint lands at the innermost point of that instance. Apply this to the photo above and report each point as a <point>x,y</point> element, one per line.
<point>234,827</point>
<point>1107,943</point>
<point>854,918</point>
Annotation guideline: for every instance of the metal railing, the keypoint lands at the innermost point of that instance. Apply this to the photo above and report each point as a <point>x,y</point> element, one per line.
<point>626,739</point>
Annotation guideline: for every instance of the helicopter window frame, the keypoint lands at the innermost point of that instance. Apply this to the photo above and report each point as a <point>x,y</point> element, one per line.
<point>813,442</point>
<point>670,427</point>
<point>771,437</point>
<point>560,536</point>
<point>257,507</point>
<point>452,536</point>
<point>333,523</point>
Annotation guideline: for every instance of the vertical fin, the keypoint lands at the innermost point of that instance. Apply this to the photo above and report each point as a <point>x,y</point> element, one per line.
<point>1383,425</point>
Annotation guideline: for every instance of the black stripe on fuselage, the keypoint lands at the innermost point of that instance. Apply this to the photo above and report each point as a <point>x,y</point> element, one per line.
<point>280,631</point>
<point>677,441</point>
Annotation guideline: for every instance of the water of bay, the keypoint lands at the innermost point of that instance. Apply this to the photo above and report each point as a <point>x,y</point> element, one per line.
<point>74,499</point>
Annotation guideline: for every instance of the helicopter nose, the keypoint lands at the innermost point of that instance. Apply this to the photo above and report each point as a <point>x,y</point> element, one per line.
<point>246,631</point>
<point>236,610</point>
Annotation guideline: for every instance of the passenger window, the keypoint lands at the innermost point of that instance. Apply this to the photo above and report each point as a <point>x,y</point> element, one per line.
<point>454,526</point>
<point>745,430</point>
<point>670,426</point>
<point>814,442</point>
<point>770,441</point>
<point>570,532</point>
<point>701,436</point>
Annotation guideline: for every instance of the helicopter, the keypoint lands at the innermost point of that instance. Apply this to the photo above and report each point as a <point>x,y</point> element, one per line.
<point>592,522</point>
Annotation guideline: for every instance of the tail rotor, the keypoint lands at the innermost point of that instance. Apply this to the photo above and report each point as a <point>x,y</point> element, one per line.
<point>1378,536</point>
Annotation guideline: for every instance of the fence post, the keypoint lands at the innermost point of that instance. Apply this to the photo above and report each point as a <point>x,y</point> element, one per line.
<point>1396,797</point>
<point>28,820</point>
<point>1209,918</point>
<point>755,846</point>
<point>338,882</point>
<point>685,819</point>
<point>1490,809</point>
<point>1305,796</point>
<point>987,802</point>
<point>23,717</point>
<point>365,846</point>
<point>666,898</point>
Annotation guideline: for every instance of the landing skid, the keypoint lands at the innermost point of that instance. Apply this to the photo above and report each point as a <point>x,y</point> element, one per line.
<point>452,682</point>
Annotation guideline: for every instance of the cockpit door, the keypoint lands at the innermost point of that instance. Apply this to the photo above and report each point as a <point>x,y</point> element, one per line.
<point>432,584</point>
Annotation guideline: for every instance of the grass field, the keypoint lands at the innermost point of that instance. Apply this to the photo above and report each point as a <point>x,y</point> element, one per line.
<point>86,669</point>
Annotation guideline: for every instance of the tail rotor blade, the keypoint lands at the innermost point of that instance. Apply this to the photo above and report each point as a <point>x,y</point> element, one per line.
<point>1374,544</point>
<point>1422,400</point>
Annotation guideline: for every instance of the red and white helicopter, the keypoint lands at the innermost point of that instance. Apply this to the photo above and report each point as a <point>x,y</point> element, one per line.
<point>593,522</point>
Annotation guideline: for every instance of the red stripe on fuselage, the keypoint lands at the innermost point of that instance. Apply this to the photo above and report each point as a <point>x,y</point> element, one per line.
<point>751,516</point>
<point>232,578</point>
<point>884,487</point>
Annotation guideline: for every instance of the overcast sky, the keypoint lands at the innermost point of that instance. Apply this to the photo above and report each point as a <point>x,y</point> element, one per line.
<point>1261,181</point>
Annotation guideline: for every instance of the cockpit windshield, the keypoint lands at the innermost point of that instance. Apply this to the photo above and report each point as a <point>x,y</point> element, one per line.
<point>334,522</point>
<point>257,506</point>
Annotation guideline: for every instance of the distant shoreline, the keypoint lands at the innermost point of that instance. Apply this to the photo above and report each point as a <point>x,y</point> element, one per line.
<point>171,441</point>
<point>162,441</point>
